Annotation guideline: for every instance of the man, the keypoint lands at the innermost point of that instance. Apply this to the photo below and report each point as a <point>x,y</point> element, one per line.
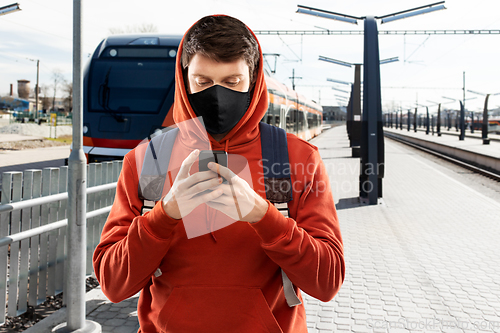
<point>230,278</point>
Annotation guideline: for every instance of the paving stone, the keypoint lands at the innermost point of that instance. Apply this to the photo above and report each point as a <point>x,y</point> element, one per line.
<point>312,319</point>
<point>326,320</point>
<point>339,328</point>
<point>124,329</point>
<point>360,316</point>
<point>360,329</point>
<point>326,326</point>
<point>115,322</point>
<point>106,315</point>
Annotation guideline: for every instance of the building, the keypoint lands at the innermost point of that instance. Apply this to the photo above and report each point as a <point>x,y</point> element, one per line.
<point>334,113</point>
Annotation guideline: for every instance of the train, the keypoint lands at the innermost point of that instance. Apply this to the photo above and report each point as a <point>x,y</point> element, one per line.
<point>128,93</point>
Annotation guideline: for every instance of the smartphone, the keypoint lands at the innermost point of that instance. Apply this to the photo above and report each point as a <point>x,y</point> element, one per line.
<point>216,156</point>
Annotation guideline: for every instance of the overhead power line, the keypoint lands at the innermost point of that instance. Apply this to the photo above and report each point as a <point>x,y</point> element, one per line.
<point>381,32</point>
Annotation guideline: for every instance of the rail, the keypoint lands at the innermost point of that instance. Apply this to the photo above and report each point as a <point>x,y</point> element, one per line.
<point>33,231</point>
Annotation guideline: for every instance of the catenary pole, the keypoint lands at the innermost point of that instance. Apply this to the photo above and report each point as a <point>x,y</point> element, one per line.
<point>75,272</point>
<point>77,201</point>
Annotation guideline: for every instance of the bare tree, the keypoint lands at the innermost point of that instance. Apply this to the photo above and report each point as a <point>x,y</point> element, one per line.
<point>145,27</point>
<point>57,79</point>
<point>45,99</point>
<point>68,95</point>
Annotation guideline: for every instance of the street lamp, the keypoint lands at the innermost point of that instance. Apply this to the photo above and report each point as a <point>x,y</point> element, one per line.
<point>353,122</point>
<point>372,140</point>
<point>484,128</point>
<point>328,14</point>
<point>412,12</point>
<point>37,88</point>
<point>9,9</point>
<point>461,122</point>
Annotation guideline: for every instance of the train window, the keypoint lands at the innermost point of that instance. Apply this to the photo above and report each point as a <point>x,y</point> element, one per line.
<point>290,121</point>
<point>310,120</point>
<point>300,120</point>
<point>130,86</point>
<point>277,120</point>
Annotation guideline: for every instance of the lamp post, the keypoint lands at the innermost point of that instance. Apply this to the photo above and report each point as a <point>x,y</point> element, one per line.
<point>484,127</point>
<point>460,124</point>
<point>438,122</point>
<point>372,139</point>
<point>354,115</point>
<point>408,125</point>
<point>77,184</point>
<point>37,84</point>
<point>415,121</point>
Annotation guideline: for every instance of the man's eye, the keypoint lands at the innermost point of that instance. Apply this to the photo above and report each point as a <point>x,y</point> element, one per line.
<point>232,83</point>
<point>203,83</point>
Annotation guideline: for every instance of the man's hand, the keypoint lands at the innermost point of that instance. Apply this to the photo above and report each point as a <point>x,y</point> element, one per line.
<point>188,191</point>
<point>238,201</point>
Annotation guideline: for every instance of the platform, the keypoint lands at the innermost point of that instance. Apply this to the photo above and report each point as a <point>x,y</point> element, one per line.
<point>425,259</point>
<point>470,150</point>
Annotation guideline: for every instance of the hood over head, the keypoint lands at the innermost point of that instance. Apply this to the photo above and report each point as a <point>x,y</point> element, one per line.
<point>247,129</point>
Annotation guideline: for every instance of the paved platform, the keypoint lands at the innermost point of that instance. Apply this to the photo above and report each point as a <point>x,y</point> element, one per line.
<point>424,260</point>
<point>472,143</point>
<point>18,137</point>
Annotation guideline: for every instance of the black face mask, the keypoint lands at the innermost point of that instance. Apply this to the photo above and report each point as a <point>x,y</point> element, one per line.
<point>220,107</point>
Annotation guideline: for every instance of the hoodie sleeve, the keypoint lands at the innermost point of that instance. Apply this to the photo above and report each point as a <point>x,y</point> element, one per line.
<point>132,246</point>
<point>309,249</point>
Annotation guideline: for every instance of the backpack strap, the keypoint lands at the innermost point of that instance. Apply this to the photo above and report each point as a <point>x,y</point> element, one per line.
<point>278,183</point>
<point>276,165</point>
<point>154,168</point>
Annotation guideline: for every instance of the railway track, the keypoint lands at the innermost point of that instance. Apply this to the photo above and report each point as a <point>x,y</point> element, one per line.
<point>455,161</point>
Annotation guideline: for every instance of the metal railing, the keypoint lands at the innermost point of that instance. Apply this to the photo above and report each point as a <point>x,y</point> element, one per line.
<point>33,231</point>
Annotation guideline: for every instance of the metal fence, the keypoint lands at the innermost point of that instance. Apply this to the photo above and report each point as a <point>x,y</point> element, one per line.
<point>33,231</point>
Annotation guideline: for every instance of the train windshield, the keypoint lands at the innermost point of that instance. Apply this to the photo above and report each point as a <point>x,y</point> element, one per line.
<point>130,85</point>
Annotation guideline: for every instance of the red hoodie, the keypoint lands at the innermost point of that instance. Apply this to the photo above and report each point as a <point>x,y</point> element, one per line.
<point>229,281</point>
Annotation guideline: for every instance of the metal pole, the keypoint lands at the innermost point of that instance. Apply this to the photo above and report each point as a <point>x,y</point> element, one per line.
<point>37,87</point>
<point>408,125</point>
<point>472,122</point>
<point>372,144</point>
<point>75,272</point>
<point>427,121</point>
<point>486,141</point>
<point>462,122</point>
<point>464,91</point>
<point>415,121</point>
<point>77,201</point>
<point>439,120</point>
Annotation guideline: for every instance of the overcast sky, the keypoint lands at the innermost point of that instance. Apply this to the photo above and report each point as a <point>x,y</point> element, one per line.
<point>429,67</point>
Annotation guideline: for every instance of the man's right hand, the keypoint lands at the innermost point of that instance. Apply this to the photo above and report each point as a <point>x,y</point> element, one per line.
<point>188,191</point>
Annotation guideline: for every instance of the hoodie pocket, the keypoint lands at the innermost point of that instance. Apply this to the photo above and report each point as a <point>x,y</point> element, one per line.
<point>217,309</point>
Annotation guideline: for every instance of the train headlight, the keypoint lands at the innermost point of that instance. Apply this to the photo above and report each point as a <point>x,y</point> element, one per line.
<point>85,129</point>
<point>113,52</point>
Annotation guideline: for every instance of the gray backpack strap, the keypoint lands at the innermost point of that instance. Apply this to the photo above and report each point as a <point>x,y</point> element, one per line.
<point>291,297</point>
<point>154,168</point>
<point>275,163</point>
<point>278,183</point>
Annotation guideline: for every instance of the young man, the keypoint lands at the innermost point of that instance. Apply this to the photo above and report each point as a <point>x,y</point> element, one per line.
<point>230,279</point>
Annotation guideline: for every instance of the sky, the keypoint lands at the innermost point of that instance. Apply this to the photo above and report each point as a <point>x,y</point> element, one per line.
<point>428,68</point>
